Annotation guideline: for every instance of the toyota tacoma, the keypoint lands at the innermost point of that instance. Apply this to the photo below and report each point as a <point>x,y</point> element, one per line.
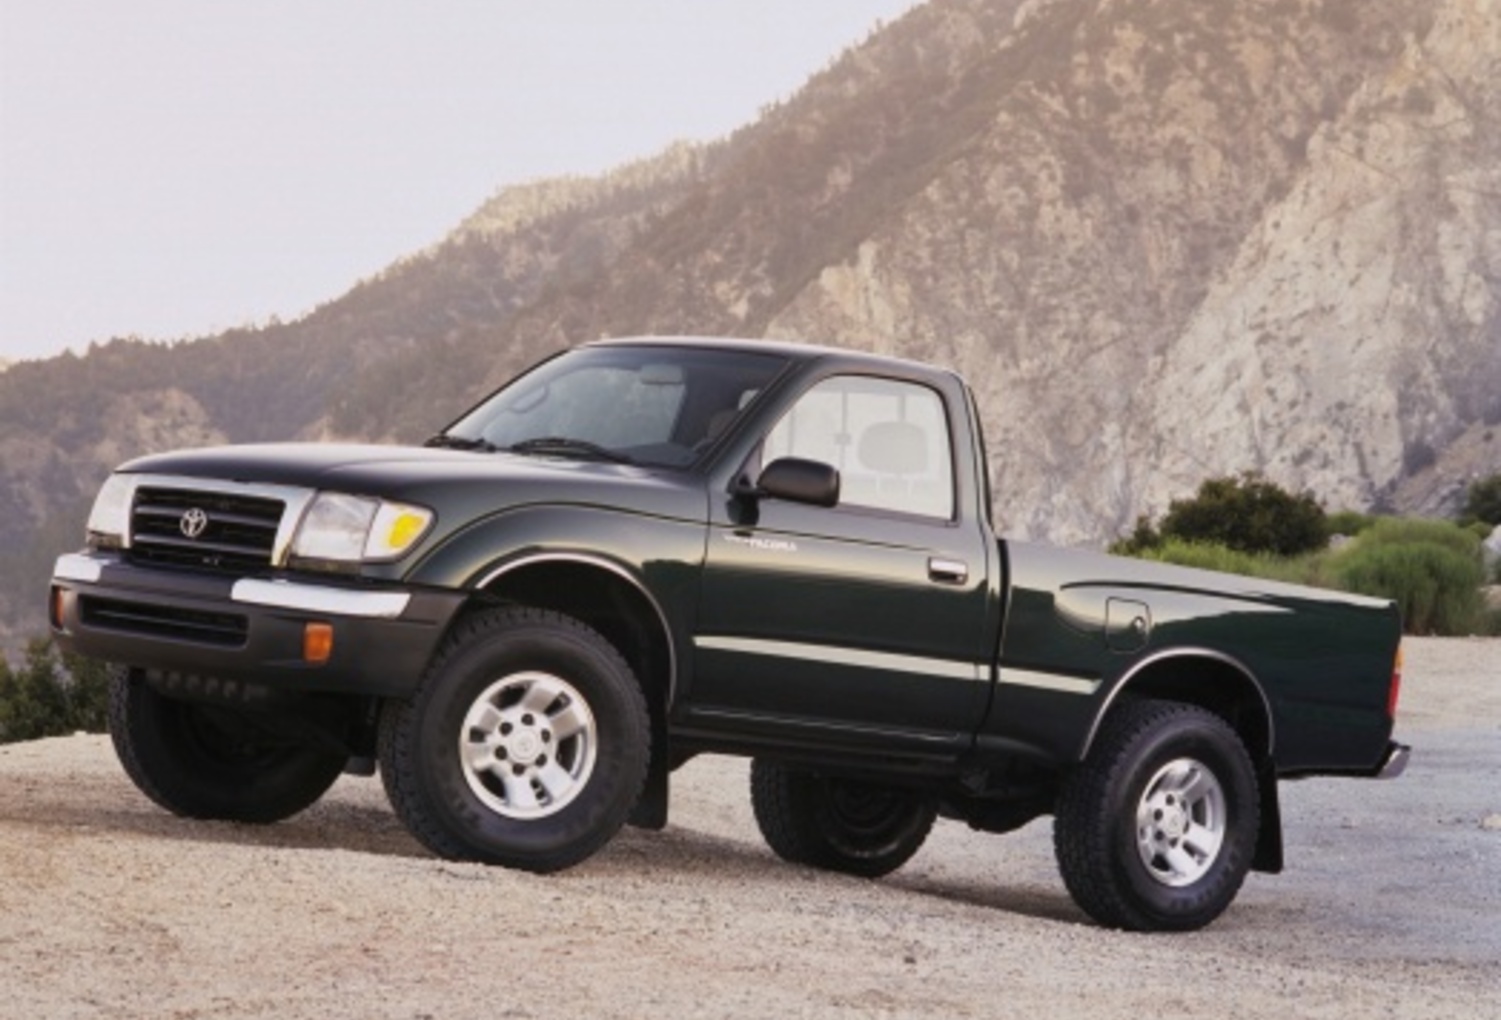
<point>643,550</point>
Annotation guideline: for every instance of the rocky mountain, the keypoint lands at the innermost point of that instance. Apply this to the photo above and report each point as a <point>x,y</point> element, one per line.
<point>1197,239</point>
<point>1165,239</point>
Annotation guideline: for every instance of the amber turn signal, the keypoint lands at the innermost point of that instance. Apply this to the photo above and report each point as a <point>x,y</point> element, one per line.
<point>317,642</point>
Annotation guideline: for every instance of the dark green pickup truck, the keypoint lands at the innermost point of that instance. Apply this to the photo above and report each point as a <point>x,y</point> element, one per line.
<point>644,550</point>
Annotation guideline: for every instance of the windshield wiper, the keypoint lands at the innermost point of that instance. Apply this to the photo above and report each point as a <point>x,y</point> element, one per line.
<point>448,442</point>
<point>562,446</point>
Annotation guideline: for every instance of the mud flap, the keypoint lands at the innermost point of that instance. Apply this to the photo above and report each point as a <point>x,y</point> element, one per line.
<point>650,811</point>
<point>1268,857</point>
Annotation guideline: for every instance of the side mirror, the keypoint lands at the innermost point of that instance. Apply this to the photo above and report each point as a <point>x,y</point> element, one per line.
<point>800,481</point>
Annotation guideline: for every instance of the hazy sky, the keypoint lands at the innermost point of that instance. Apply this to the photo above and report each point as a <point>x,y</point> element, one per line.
<point>172,168</point>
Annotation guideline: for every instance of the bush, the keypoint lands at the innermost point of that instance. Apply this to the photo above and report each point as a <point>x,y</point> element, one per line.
<point>1309,569</point>
<point>1429,568</point>
<point>51,695</point>
<point>1143,538</point>
<point>1203,556</point>
<point>1417,531</point>
<point>1248,514</point>
<point>1484,501</point>
<point>1348,522</point>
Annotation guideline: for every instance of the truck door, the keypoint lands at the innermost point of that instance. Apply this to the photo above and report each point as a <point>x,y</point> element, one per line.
<point>862,622</point>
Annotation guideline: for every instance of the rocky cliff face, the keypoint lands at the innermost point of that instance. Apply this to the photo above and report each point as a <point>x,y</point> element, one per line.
<point>1357,333</point>
<point>1200,239</point>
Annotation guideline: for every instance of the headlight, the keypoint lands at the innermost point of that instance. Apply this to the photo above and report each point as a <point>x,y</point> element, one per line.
<point>350,529</point>
<point>109,520</point>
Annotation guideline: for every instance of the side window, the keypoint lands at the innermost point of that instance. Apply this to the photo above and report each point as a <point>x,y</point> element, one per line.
<point>889,440</point>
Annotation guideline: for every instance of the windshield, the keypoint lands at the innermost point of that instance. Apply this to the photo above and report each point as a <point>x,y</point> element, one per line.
<point>656,405</point>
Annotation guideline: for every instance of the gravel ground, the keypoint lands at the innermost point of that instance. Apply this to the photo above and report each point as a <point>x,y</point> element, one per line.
<point>1391,906</point>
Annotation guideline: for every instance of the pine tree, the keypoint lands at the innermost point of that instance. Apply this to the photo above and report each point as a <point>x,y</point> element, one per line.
<point>50,694</point>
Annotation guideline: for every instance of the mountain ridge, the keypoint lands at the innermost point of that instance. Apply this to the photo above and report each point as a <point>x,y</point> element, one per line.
<point>1162,240</point>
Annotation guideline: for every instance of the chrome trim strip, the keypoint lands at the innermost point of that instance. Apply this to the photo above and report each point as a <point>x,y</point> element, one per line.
<point>620,572</point>
<point>295,500</point>
<point>841,656</point>
<point>1055,682</point>
<point>311,598</point>
<point>77,567</point>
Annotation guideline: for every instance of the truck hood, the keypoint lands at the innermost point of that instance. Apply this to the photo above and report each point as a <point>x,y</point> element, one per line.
<point>441,479</point>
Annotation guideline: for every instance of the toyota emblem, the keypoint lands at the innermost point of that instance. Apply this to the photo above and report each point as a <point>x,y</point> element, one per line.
<point>193,522</point>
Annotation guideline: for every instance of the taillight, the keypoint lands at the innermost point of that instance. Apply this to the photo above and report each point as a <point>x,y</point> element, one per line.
<point>1396,688</point>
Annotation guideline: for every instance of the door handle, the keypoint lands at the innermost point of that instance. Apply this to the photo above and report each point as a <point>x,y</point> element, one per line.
<point>947,571</point>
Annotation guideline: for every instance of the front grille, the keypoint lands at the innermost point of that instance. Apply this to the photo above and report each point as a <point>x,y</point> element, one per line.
<point>222,629</point>
<point>220,531</point>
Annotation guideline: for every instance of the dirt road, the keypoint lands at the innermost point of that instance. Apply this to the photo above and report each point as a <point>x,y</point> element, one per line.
<point>1391,906</point>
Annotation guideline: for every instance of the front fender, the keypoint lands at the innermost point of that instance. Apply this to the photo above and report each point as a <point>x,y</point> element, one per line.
<point>663,555</point>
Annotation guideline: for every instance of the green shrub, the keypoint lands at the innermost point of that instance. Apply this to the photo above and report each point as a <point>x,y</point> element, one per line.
<point>1436,585</point>
<point>1484,500</point>
<point>1248,514</point>
<point>1309,569</point>
<point>1206,556</point>
<point>1143,537</point>
<point>1348,522</point>
<point>1417,531</point>
<point>1431,569</point>
<point>51,695</point>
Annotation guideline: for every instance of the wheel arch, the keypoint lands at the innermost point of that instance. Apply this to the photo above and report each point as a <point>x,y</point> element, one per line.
<point>1224,685</point>
<point>602,594</point>
<point>1212,680</point>
<point>612,600</point>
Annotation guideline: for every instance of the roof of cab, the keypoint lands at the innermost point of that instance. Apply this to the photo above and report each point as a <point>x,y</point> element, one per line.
<point>794,350</point>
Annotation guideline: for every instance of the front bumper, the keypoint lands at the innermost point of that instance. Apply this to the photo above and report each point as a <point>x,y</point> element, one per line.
<point>249,630</point>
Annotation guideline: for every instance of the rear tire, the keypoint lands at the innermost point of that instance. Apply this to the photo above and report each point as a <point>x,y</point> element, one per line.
<point>1155,830</point>
<point>838,824</point>
<point>526,744</point>
<point>209,761</point>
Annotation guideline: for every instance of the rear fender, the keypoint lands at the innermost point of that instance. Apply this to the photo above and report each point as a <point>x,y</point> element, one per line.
<point>1225,686</point>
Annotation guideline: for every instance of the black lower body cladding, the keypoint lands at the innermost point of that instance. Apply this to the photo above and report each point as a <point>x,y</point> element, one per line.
<point>249,631</point>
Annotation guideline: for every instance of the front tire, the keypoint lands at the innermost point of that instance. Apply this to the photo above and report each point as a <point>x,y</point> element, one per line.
<point>838,824</point>
<point>209,761</point>
<point>526,744</point>
<point>1155,830</point>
